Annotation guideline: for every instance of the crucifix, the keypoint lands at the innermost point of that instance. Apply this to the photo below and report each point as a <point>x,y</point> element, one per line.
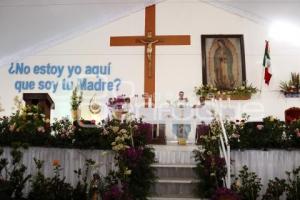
<point>150,40</point>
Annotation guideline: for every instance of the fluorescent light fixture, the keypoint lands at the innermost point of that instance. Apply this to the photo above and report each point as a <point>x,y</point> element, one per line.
<point>285,32</point>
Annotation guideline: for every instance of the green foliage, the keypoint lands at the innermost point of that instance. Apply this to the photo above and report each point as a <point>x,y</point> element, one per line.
<point>275,189</point>
<point>293,134</point>
<point>80,191</point>
<point>54,188</point>
<point>210,167</point>
<point>4,183</point>
<point>138,187</point>
<point>247,185</point>
<point>70,135</point>
<point>271,133</point>
<point>76,99</point>
<point>27,125</point>
<point>39,183</point>
<point>12,185</point>
<point>293,185</point>
<point>62,132</point>
<point>211,171</point>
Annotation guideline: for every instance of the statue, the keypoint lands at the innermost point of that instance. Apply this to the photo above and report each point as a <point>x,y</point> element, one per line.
<point>181,130</point>
<point>149,41</point>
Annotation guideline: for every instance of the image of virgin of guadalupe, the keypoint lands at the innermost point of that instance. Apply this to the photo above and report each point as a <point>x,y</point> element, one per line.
<point>224,70</point>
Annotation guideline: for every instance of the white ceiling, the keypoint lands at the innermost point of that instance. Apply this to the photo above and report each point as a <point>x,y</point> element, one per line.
<point>265,11</point>
<point>28,26</point>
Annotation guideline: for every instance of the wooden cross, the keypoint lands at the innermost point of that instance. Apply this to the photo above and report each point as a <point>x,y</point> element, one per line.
<point>150,40</point>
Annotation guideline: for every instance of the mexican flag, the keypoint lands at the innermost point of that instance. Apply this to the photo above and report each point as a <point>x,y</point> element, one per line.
<point>267,64</point>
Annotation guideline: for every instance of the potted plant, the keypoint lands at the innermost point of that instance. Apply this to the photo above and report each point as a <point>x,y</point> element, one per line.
<point>76,100</point>
<point>291,88</point>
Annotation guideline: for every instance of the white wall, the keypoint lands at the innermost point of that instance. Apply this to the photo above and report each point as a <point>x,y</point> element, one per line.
<point>177,67</point>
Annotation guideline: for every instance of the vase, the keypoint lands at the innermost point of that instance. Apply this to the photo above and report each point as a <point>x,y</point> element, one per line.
<point>117,114</point>
<point>291,94</point>
<point>75,114</point>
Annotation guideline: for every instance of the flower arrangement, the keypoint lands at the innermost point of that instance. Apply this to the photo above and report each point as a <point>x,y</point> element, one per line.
<point>117,106</point>
<point>291,88</point>
<point>117,102</point>
<point>210,168</point>
<point>63,131</point>
<point>133,158</point>
<point>76,99</point>
<point>29,119</point>
<point>242,92</point>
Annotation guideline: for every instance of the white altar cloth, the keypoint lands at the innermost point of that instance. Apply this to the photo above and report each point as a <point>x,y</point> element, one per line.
<point>187,116</point>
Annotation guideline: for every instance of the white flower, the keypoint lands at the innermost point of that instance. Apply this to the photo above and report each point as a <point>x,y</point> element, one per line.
<point>235,135</point>
<point>127,172</point>
<point>283,135</point>
<point>115,129</point>
<point>123,131</point>
<point>105,132</point>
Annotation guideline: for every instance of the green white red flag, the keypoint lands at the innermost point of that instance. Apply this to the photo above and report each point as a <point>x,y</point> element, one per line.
<point>267,64</point>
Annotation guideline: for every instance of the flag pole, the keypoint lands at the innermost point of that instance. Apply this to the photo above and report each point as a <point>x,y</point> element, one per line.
<point>262,72</point>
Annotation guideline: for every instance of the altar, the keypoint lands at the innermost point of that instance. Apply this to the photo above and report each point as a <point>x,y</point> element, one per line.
<point>180,120</point>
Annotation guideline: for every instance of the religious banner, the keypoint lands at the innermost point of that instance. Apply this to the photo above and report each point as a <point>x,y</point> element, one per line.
<point>223,61</point>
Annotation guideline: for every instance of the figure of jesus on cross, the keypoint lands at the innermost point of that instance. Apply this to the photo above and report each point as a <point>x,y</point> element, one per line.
<point>149,41</point>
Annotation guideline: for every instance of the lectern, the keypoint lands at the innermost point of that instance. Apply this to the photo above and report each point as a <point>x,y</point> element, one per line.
<point>42,100</point>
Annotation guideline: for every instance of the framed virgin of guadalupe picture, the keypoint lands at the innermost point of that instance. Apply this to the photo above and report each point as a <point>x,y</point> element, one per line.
<point>223,61</point>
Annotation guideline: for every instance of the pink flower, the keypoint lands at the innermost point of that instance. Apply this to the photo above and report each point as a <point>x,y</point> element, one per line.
<point>12,128</point>
<point>41,129</point>
<point>297,132</point>
<point>259,126</point>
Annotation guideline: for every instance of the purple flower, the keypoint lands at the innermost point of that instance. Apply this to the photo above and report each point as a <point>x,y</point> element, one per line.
<point>132,155</point>
<point>114,193</point>
<point>224,193</point>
